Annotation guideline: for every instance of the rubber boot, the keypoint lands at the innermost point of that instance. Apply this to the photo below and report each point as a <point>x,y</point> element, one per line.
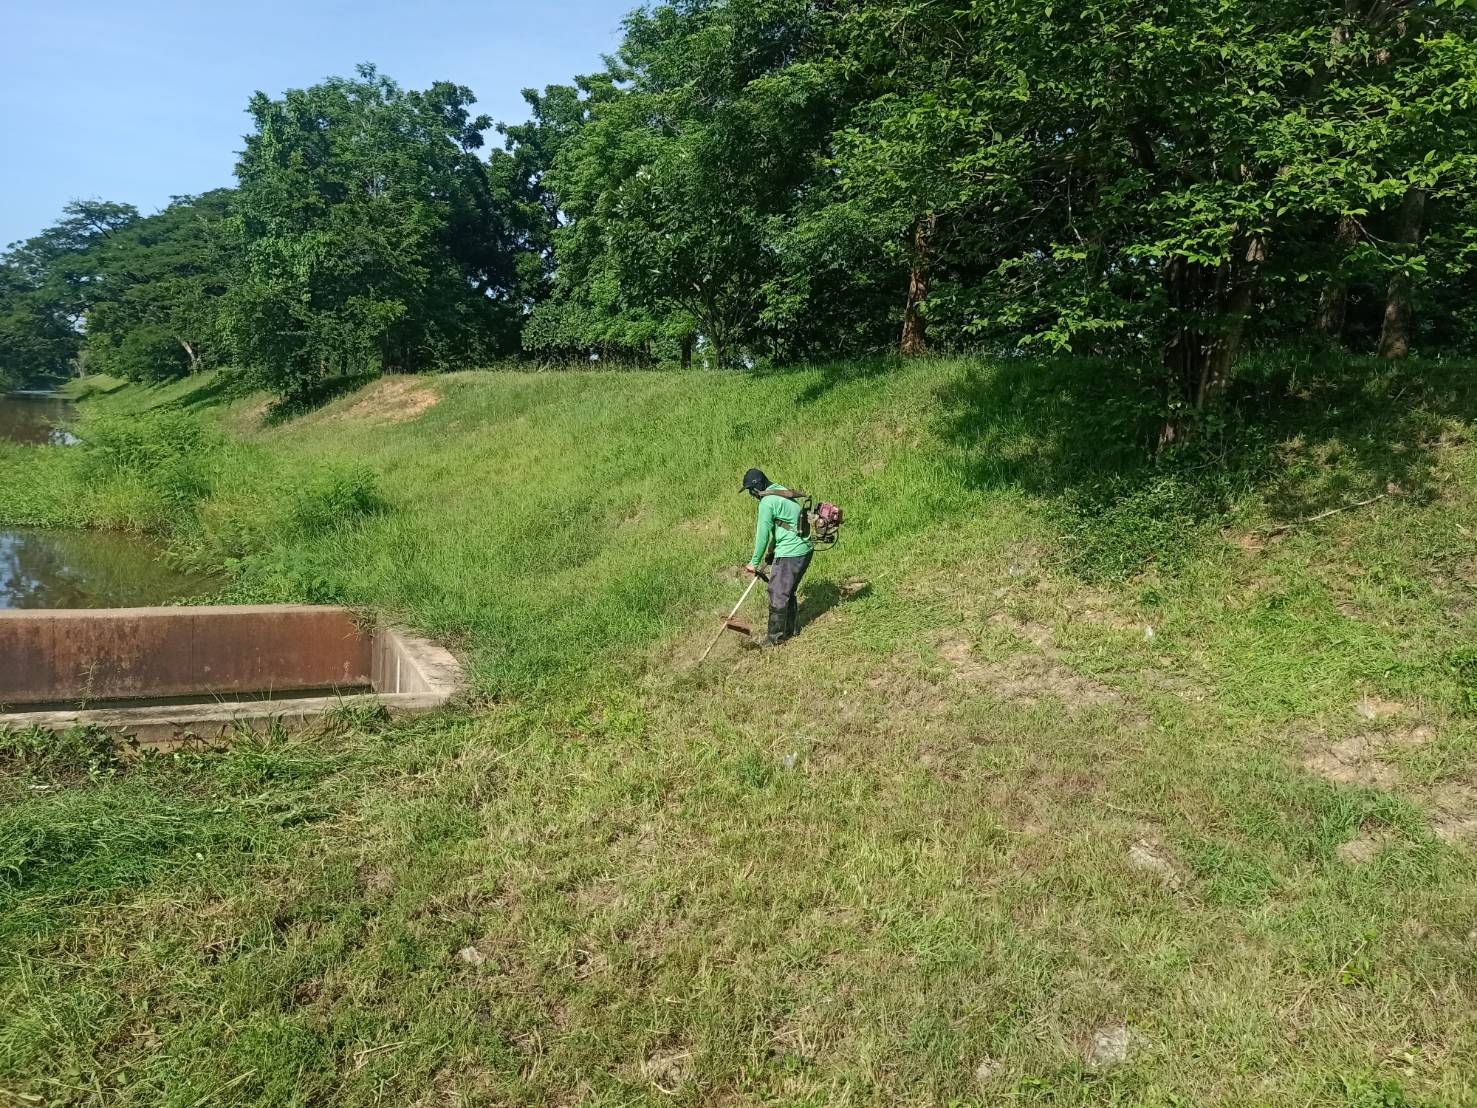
<point>792,618</point>
<point>775,633</point>
<point>779,622</point>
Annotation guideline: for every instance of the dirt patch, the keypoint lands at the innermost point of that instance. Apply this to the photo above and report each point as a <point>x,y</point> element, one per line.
<point>1362,759</point>
<point>1250,543</point>
<point>394,400</point>
<point>1153,859</point>
<point>668,1070</point>
<point>966,664</point>
<point>251,416</point>
<point>987,1071</point>
<point>1108,1047</point>
<point>1372,707</point>
<point>1037,634</point>
<point>1028,677</point>
<point>1454,813</point>
<point>1353,761</point>
<point>1364,849</point>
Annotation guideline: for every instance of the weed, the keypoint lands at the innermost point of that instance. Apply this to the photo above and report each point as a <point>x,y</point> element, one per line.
<point>1111,533</point>
<point>1463,665</point>
<point>50,757</point>
<point>332,499</point>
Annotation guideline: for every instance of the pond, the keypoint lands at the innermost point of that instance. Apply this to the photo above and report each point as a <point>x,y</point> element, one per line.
<point>36,418</point>
<point>89,569</point>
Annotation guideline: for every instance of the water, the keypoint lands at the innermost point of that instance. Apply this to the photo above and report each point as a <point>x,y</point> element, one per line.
<point>36,418</point>
<point>89,569</point>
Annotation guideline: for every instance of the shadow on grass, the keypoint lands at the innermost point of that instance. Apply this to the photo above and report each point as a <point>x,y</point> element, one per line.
<point>223,386</point>
<point>822,596</point>
<point>90,386</point>
<point>1300,433</point>
<point>831,375</point>
<point>835,375</point>
<point>1308,436</point>
<point>1343,432</point>
<point>315,397</point>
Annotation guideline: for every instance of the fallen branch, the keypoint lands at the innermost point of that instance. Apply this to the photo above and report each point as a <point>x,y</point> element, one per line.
<point>1325,515</point>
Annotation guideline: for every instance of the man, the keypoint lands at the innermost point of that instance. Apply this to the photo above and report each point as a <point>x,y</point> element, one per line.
<point>779,527</point>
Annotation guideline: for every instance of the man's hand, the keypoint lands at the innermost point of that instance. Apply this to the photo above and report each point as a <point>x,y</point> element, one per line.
<point>752,570</point>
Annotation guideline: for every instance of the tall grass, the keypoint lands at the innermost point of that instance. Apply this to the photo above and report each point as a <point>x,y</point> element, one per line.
<point>1056,756</point>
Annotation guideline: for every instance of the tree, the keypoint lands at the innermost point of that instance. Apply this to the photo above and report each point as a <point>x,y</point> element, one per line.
<point>373,237</point>
<point>1137,176</point>
<point>677,183</point>
<point>162,281</point>
<point>48,284</point>
<point>1395,335</point>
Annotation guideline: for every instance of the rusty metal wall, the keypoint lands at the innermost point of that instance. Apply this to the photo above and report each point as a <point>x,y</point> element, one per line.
<point>53,656</point>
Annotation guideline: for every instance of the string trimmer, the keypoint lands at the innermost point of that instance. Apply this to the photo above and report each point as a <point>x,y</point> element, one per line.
<point>731,622</point>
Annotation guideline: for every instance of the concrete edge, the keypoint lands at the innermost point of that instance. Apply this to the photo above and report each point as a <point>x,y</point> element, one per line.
<point>421,676</point>
<point>403,662</point>
<point>214,724</point>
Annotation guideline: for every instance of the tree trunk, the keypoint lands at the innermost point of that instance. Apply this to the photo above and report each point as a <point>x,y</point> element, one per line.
<point>1395,335</point>
<point>687,351</point>
<point>190,350</point>
<point>1333,302</point>
<point>915,326</point>
<point>1212,303</point>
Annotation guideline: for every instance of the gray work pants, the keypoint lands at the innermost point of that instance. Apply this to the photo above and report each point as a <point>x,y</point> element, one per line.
<point>784,580</point>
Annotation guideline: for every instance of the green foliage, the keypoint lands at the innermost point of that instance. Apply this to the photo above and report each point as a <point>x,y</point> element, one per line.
<point>675,172</point>
<point>1113,532</point>
<point>146,470</point>
<point>1115,178</point>
<point>373,237</point>
<point>332,499</point>
<point>46,757</point>
<point>47,286</point>
<point>162,281</point>
<point>1463,665</point>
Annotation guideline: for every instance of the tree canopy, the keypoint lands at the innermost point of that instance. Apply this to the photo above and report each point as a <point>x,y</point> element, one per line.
<point>759,181</point>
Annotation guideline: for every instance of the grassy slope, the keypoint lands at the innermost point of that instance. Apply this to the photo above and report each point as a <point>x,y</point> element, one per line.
<point>973,817</point>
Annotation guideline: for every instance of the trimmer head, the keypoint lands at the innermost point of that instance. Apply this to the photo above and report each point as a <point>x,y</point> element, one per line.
<point>735,625</point>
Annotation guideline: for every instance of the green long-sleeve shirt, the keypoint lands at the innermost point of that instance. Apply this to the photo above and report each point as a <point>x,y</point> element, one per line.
<point>788,542</point>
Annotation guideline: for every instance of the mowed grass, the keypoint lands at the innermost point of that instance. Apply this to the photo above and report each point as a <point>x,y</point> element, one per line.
<point>1037,810</point>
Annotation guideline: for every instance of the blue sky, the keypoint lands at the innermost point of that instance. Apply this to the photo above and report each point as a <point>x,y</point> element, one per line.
<point>138,100</point>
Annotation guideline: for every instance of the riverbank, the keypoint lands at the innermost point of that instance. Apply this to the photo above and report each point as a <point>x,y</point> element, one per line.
<point>1084,784</point>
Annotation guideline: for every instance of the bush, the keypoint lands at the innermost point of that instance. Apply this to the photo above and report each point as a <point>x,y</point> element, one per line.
<point>138,443</point>
<point>144,471</point>
<point>285,575</point>
<point>51,757</point>
<point>144,353</point>
<point>1119,530</point>
<point>333,499</point>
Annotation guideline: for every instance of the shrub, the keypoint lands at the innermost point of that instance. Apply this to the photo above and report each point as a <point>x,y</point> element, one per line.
<point>139,444</point>
<point>333,499</point>
<point>285,575</point>
<point>144,471</point>
<point>1119,530</point>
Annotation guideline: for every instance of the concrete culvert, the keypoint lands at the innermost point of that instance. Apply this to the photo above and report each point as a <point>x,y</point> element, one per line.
<point>165,676</point>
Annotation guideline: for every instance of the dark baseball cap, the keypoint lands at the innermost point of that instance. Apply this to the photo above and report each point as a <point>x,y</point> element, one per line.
<point>755,481</point>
